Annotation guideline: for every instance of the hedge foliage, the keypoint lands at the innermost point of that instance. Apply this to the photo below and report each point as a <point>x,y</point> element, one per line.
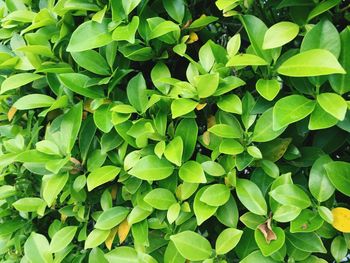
<point>142,131</point>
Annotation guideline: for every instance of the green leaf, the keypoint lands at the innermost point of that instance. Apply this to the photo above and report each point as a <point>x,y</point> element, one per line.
<point>187,129</point>
<point>246,60</point>
<point>320,119</point>
<point>228,213</point>
<point>70,127</point>
<point>201,210</point>
<point>213,168</point>
<point>286,213</point>
<point>192,172</point>
<point>36,249</point>
<point>334,104</point>
<point>95,238</point>
<point>182,106</point>
<point>90,35</point>
<point>226,131</point>
<point>322,7</point>
<point>77,83</point>
<point>338,175</point>
<point>215,195</point>
<point>137,92</point>
<point>175,9</point>
<point>127,32</point>
<point>339,248</point>
<point>251,197</point>
<point>171,254</point>
<point>233,45</point>
<point>160,198</point>
<point>227,240</point>
<point>206,56</point>
<point>280,34</point>
<point>192,246</point>
<point>162,29</point>
<point>290,194</point>
<point>111,217</point>
<point>102,175</point>
<point>324,35</point>
<point>206,84</point>
<point>103,118</point>
<point>268,88</point>
<point>256,30</point>
<point>92,61</point>
<point>29,204</point>
<point>159,73</point>
<point>33,101</point>
<point>263,131</point>
<point>230,103</point>
<point>319,184</point>
<point>256,256</point>
<point>230,146</point>
<point>122,254</point>
<point>315,62</point>
<point>307,221</point>
<point>18,80</point>
<point>152,168</point>
<point>267,249</point>
<point>339,82</point>
<point>291,109</point>
<point>52,185</point>
<point>130,5</point>
<point>308,242</point>
<point>173,151</point>
<point>62,238</point>
<point>202,21</point>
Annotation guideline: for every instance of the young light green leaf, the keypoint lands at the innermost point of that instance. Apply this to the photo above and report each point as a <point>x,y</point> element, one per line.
<point>192,172</point>
<point>230,103</point>
<point>334,104</point>
<point>90,35</point>
<point>191,245</point>
<point>160,198</point>
<point>127,32</point>
<point>319,184</point>
<point>215,195</point>
<point>227,240</point>
<point>280,34</point>
<point>291,109</point>
<point>33,101</point>
<point>268,88</point>
<point>111,217</point>
<point>338,175</point>
<point>152,168</point>
<point>182,106</point>
<point>36,249</point>
<point>246,60</point>
<point>18,80</point>
<point>95,238</point>
<point>290,194</point>
<point>62,238</point>
<point>173,151</point>
<point>102,175</point>
<point>315,62</point>
<point>226,131</point>
<point>251,197</point>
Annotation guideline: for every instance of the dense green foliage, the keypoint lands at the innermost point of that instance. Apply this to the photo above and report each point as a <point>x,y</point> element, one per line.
<point>142,131</point>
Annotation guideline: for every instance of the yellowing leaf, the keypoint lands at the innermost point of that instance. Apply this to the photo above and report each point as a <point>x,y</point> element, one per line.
<point>341,219</point>
<point>110,238</point>
<point>123,231</point>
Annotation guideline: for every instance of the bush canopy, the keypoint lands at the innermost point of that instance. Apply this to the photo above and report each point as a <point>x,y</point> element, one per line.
<point>144,131</point>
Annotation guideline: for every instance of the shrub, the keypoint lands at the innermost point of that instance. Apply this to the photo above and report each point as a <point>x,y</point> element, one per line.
<point>174,131</point>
